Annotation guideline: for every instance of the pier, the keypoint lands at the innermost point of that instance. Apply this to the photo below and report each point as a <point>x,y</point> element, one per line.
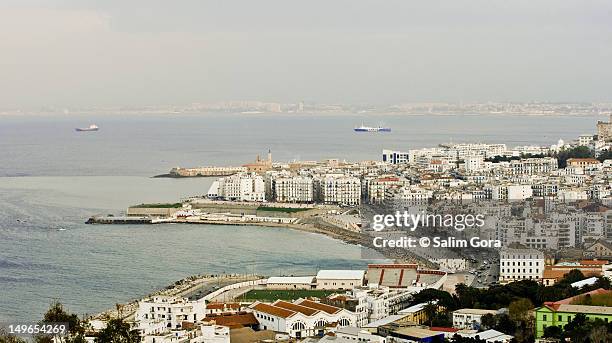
<point>119,220</point>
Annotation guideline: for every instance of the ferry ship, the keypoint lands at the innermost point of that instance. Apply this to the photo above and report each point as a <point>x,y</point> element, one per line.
<point>379,128</point>
<point>92,127</point>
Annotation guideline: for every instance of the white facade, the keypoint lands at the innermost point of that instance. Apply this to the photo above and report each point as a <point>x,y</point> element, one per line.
<point>160,313</point>
<point>533,166</point>
<point>290,282</point>
<point>473,163</point>
<point>377,188</point>
<point>473,149</point>
<point>509,192</point>
<point>340,279</point>
<point>340,189</point>
<point>395,157</point>
<point>203,334</point>
<point>302,318</point>
<point>469,318</point>
<point>411,196</point>
<point>520,264</point>
<point>239,187</point>
<point>294,189</point>
<point>374,304</point>
<point>355,334</point>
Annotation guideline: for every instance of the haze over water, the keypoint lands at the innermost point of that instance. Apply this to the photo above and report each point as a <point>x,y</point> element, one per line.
<point>65,177</point>
<point>152,144</point>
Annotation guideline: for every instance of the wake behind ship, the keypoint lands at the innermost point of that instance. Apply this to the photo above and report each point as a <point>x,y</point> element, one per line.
<point>378,128</point>
<point>92,127</point>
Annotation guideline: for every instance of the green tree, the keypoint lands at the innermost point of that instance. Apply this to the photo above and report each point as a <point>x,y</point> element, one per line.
<point>431,310</point>
<point>6,337</point>
<point>600,334</point>
<point>519,309</point>
<point>57,314</point>
<point>605,155</point>
<point>577,329</point>
<point>118,331</point>
<point>504,324</point>
<point>488,321</point>
<point>519,313</point>
<point>444,299</point>
<point>553,332</point>
<point>577,152</point>
<point>574,275</point>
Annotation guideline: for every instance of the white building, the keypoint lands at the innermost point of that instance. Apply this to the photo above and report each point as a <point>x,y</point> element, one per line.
<point>474,149</point>
<point>302,318</point>
<point>520,264</point>
<point>473,163</point>
<point>294,189</point>
<point>355,334</point>
<point>160,313</point>
<point>507,192</point>
<point>469,318</point>
<point>395,157</point>
<point>377,188</point>
<point>409,196</point>
<point>375,303</point>
<point>532,166</point>
<point>239,187</point>
<point>340,279</point>
<point>339,189</point>
<point>489,336</point>
<point>203,334</point>
<point>291,282</point>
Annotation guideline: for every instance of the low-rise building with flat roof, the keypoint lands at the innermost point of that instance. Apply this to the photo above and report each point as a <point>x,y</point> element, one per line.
<point>291,282</point>
<point>340,279</point>
<point>469,318</point>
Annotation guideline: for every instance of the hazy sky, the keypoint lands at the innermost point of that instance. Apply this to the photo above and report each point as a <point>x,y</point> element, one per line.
<point>123,52</point>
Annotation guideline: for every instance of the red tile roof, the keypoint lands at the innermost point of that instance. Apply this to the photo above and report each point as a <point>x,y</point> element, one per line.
<point>273,310</point>
<point>234,320</point>
<point>296,308</point>
<point>318,306</point>
<point>593,262</point>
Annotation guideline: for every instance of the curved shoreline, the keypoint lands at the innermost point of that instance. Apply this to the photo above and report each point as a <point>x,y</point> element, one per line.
<point>350,237</point>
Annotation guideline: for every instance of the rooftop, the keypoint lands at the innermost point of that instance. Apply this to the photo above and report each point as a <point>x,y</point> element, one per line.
<point>291,279</point>
<point>385,321</point>
<point>474,311</point>
<point>571,299</point>
<point>585,282</point>
<point>605,310</point>
<point>416,332</point>
<point>413,308</point>
<point>340,274</point>
<point>273,310</point>
<point>234,320</point>
<point>296,308</point>
<point>318,306</point>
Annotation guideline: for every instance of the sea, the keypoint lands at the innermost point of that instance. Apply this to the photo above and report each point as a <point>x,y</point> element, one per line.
<point>53,178</point>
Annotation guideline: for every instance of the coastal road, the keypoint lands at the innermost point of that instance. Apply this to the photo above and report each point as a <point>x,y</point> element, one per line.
<point>219,282</point>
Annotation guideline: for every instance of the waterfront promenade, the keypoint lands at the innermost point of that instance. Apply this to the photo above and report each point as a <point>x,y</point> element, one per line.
<point>193,287</point>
